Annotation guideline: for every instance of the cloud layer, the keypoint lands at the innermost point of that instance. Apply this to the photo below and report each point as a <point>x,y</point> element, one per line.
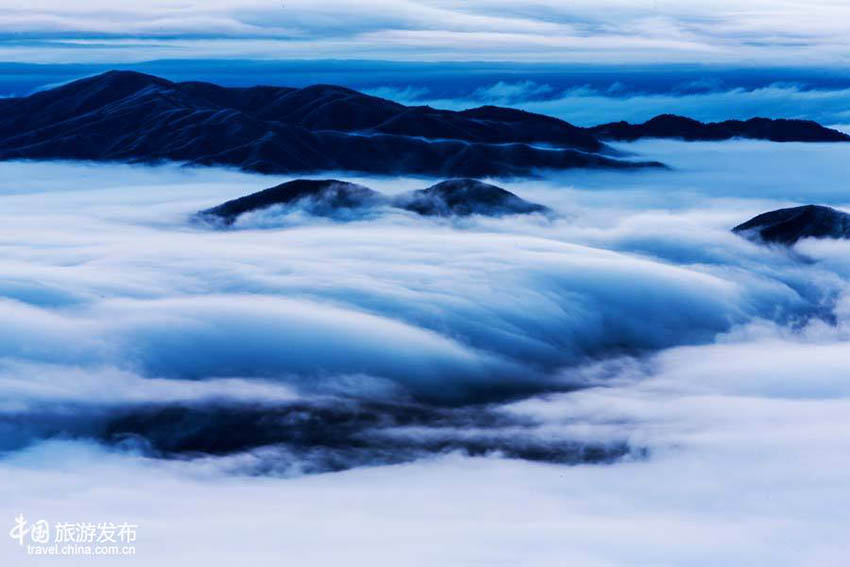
<point>466,360</point>
<point>495,30</point>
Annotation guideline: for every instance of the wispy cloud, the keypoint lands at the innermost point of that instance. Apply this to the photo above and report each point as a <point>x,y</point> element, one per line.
<point>542,30</point>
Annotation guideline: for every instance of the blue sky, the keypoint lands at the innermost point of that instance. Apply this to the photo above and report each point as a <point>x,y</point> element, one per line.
<point>758,32</point>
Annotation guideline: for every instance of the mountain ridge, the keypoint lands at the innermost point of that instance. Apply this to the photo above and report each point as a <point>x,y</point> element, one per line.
<point>130,116</point>
<point>682,127</point>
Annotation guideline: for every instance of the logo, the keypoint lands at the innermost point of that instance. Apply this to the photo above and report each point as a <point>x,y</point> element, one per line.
<point>20,531</point>
<point>74,538</point>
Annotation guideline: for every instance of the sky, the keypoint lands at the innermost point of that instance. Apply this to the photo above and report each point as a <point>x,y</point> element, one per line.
<point>751,32</point>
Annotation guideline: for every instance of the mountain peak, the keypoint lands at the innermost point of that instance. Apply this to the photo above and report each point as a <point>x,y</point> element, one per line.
<point>320,197</point>
<point>465,196</point>
<point>672,119</point>
<point>787,226</point>
<point>121,80</point>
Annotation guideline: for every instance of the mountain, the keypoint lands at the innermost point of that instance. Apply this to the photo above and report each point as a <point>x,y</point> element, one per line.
<point>463,197</point>
<point>672,126</point>
<point>129,116</point>
<point>334,198</point>
<point>320,197</point>
<point>787,226</point>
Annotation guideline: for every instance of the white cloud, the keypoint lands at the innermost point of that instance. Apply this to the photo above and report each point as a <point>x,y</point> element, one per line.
<point>613,31</point>
<point>113,300</point>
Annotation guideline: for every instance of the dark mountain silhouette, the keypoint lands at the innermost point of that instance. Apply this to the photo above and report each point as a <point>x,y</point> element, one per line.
<point>320,197</point>
<point>672,126</point>
<point>787,226</point>
<point>329,197</point>
<point>464,197</point>
<point>129,116</point>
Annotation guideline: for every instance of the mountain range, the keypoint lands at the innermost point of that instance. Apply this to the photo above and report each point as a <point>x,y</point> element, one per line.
<point>130,116</point>
<point>672,126</point>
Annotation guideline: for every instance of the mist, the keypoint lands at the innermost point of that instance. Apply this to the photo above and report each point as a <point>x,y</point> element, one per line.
<point>625,369</point>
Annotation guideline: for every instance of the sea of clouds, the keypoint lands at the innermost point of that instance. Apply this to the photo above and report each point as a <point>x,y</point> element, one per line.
<point>622,382</point>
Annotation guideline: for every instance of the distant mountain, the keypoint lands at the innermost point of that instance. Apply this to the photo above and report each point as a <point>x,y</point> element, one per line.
<point>129,116</point>
<point>787,226</point>
<point>672,126</point>
<point>330,197</point>
<point>462,197</point>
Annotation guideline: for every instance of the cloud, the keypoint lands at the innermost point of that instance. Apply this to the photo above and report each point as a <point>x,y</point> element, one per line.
<point>544,30</point>
<point>504,92</point>
<point>587,106</point>
<point>451,368</point>
<point>142,291</point>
